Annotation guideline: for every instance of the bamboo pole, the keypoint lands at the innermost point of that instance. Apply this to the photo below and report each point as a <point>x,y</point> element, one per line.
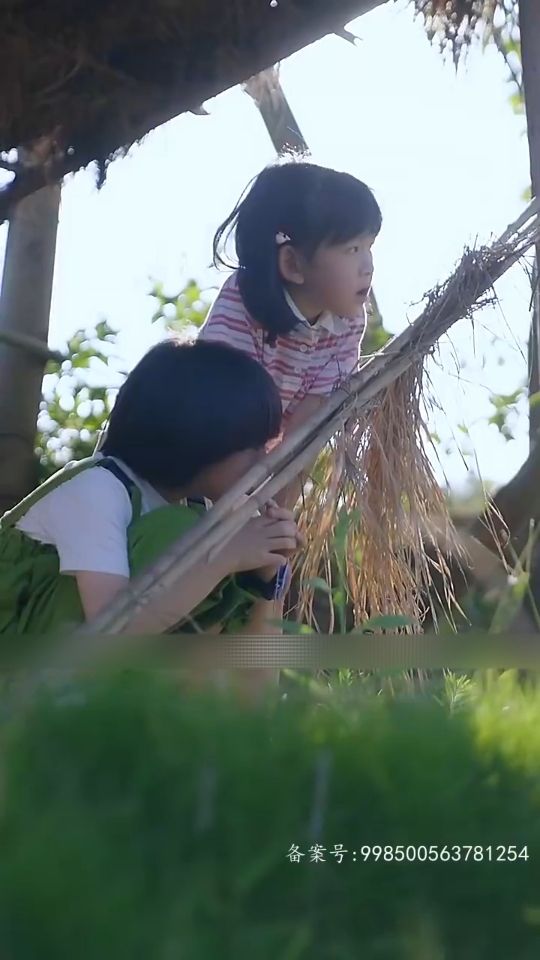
<point>529,22</point>
<point>31,345</point>
<point>458,297</point>
<point>25,301</point>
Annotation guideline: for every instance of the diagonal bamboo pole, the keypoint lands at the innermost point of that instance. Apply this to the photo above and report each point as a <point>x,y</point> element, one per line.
<point>457,298</point>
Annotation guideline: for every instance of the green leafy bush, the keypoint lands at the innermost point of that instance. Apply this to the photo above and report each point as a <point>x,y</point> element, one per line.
<point>140,822</point>
<point>78,395</point>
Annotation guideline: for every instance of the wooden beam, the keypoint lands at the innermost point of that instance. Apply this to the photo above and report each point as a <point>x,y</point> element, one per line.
<point>25,302</point>
<point>267,93</point>
<point>529,19</point>
<point>31,345</point>
<point>529,26</point>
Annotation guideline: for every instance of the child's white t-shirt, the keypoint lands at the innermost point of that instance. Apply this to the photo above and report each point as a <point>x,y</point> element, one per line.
<point>86,520</point>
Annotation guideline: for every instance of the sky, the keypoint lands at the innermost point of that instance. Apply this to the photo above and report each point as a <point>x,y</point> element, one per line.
<point>444,153</point>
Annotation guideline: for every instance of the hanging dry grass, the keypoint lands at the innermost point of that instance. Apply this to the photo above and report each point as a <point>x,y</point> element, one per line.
<point>378,474</point>
<point>382,459</point>
<point>457,23</point>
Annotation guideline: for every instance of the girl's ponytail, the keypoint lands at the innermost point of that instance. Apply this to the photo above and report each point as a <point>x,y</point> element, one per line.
<point>256,221</point>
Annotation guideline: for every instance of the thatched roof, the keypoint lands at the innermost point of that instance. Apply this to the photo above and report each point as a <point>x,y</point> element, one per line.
<point>94,76</point>
<point>87,78</point>
<point>456,22</point>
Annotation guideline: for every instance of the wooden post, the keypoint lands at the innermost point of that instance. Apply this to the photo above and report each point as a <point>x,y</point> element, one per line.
<point>529,28</point>
<point>533,351</point>
<point>267,93</point>
<point>25,301</point>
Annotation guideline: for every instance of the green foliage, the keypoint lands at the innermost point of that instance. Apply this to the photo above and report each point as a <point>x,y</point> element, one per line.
<point>141,822</point>
<point>504,406</point>
<point>517,103</point>
<point>506,411</point>
<point>77,396</point>
<point>74,409</point>
<point>510,47</point>
<point>375,338</point>
<point>183,313</point>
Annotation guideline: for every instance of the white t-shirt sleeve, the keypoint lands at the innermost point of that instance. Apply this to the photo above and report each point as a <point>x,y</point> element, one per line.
<point>86,519</point>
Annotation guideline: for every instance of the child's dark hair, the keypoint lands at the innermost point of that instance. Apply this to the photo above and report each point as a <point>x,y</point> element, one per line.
<point>308,204</point>
<point>186,407</point>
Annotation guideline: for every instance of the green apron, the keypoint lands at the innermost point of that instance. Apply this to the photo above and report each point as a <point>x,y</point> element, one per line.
<point>36,598</point>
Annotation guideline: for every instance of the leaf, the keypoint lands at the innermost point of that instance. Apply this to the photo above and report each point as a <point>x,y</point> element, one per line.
<point>342,528</point>
<point>98,393</point>
<point>192,292</point>
<point>499,420</point>
<point>517,103</point>
<point>53,367</point>
<point>317,583</point>
<point>502,400</point>
<point>82,358</point>
<point>339,597</point>
<point>105,332</point>
<point>76,342</point>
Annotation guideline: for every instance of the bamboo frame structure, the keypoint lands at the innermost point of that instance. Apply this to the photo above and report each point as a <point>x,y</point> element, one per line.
<point>462,294</point>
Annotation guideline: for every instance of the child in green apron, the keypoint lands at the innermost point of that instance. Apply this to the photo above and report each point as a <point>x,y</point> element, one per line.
<point>188,422</point>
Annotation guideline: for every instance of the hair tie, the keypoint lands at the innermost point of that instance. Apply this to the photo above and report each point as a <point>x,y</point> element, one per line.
<point>282,238</point>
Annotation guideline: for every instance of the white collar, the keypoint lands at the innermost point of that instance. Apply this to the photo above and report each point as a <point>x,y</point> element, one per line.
<point>325,320</point>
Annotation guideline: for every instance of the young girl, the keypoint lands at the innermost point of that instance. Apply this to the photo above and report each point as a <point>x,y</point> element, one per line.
<point>296,304</point>
<point>188,422</point>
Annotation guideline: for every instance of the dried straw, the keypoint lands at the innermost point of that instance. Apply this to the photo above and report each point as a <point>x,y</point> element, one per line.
<point>385,482</point>
<point>380,476</point>
<point>391,482</point>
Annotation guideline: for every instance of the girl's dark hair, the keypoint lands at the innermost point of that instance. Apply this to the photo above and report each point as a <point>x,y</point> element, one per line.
<point>186,407</point>
<point>310,205</point>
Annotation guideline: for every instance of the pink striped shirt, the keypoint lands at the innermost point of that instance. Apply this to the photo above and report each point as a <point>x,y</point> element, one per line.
<point>310,359</point>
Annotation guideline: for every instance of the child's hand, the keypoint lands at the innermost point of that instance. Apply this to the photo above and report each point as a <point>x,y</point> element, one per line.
<point>265,542</point>
<point>272,511</point>
<point>275,512</point>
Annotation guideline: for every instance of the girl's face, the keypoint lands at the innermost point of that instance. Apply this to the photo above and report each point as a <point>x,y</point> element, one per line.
<point>214,482</point>
<point>336,278</point>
